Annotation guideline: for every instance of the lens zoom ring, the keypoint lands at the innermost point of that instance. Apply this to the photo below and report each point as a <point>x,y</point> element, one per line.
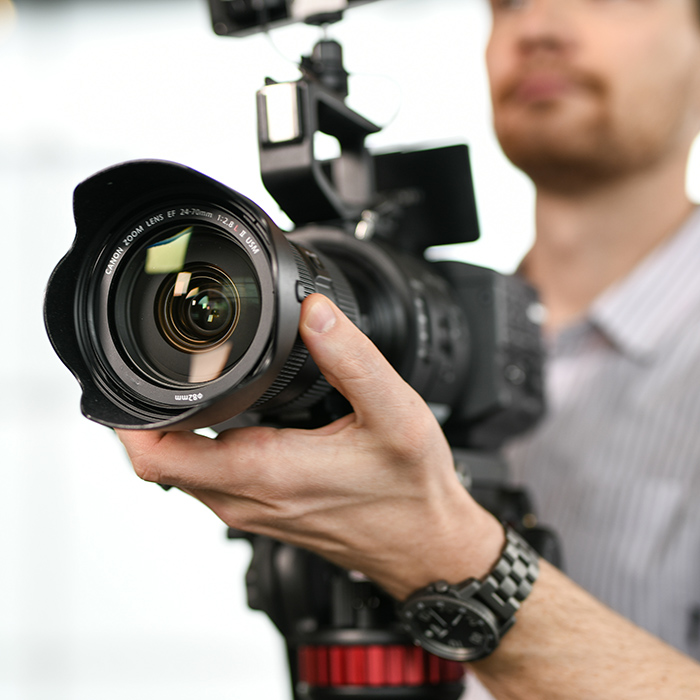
<point>344,297</point>
<point>311,396</point>
<point>305,276</point>
<point>345,300</point>
<point>299,354</point>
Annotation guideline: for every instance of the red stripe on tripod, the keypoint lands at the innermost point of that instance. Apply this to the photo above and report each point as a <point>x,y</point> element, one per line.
<point>393,670</point>
<point>376,660</point>
<point>335,666</point>
<point>415,666</point>
<point>355,666</point>
<point>393,665</point>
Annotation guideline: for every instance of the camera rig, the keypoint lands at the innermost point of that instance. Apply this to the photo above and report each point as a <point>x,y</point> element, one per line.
<point>168,266</point>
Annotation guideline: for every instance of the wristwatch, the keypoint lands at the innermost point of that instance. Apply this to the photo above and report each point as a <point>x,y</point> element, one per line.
<point>466,621</point>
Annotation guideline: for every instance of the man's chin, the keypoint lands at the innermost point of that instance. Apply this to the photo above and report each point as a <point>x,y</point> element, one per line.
<point>563,164</point>
<point>567,176</point>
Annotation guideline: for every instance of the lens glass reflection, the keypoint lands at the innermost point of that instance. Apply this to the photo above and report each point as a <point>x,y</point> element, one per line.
<point>198,308</point>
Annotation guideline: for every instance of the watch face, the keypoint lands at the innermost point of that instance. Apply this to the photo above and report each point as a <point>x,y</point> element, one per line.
<point>452,628</point>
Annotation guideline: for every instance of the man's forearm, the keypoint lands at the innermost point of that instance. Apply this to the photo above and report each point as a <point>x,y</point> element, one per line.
<point>566,645</point>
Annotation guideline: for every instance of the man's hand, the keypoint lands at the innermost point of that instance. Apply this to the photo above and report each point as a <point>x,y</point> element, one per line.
<point>375,491</point>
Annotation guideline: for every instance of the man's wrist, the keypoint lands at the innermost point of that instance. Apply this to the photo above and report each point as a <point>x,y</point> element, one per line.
<point>465,622</point>
<point>467,547</point>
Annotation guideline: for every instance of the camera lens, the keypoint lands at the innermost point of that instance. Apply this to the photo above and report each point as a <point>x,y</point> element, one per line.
<point>179,305</point>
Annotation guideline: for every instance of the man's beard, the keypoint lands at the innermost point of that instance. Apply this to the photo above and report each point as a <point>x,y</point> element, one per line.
<point>568,150</point>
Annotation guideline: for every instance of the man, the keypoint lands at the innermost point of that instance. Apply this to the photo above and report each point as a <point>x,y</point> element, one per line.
<point>376,491</point>
<point>599,102</point>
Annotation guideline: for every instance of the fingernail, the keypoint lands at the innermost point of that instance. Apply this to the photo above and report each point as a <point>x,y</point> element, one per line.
<point>320,317</point>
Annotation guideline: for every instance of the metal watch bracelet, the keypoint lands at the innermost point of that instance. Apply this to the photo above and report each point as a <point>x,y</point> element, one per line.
<point>511,579</point>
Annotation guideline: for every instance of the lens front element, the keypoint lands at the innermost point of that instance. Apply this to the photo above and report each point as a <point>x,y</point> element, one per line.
<point>186,304</point>
<point>198,308</point>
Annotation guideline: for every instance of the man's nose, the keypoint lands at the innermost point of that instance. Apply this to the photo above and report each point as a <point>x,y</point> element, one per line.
<point>546,25</point>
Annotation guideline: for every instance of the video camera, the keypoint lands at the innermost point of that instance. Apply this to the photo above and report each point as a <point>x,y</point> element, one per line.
<point>178,306</point>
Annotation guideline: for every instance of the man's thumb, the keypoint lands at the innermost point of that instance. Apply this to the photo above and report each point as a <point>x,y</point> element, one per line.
<point>349,360</point>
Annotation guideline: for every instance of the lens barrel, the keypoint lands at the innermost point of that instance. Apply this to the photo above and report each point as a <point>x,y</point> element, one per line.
<point>178,305</point>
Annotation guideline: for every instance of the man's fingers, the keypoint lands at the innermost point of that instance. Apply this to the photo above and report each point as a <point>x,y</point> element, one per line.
<point>181,459</point>
<point>354,366</point>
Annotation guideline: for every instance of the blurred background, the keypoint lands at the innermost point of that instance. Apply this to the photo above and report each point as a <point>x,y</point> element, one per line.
<point>111,588</point>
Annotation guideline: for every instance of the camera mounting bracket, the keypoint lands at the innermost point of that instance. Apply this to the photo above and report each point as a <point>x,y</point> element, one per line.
<point>424,197</point>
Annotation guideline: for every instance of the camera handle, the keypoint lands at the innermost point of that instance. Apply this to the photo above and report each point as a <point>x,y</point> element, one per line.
<point>289,116</point>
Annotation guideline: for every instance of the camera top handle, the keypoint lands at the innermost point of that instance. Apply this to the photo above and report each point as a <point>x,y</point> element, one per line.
<point>289,116</point>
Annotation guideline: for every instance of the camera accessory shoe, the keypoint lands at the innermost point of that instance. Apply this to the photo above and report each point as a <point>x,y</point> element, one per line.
<point>466,621</point>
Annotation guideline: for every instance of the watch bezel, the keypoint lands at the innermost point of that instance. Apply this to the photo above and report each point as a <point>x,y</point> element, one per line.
<point>464,650</point>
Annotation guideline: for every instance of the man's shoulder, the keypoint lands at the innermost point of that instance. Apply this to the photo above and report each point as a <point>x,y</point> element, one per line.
<point>658,301</point>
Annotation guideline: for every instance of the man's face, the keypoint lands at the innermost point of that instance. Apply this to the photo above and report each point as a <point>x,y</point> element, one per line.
<point>588,90</point>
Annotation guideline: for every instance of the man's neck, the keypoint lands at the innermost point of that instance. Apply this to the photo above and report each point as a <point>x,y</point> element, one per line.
<point>588,240</point>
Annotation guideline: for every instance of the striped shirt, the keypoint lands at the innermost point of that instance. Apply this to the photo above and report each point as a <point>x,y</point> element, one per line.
<point>614,467</point>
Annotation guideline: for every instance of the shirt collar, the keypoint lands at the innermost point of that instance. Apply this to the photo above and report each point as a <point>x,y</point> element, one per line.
<point>637,313</point>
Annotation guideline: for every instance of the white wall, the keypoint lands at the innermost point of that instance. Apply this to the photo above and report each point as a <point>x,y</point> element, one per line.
<point>109,587</point>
